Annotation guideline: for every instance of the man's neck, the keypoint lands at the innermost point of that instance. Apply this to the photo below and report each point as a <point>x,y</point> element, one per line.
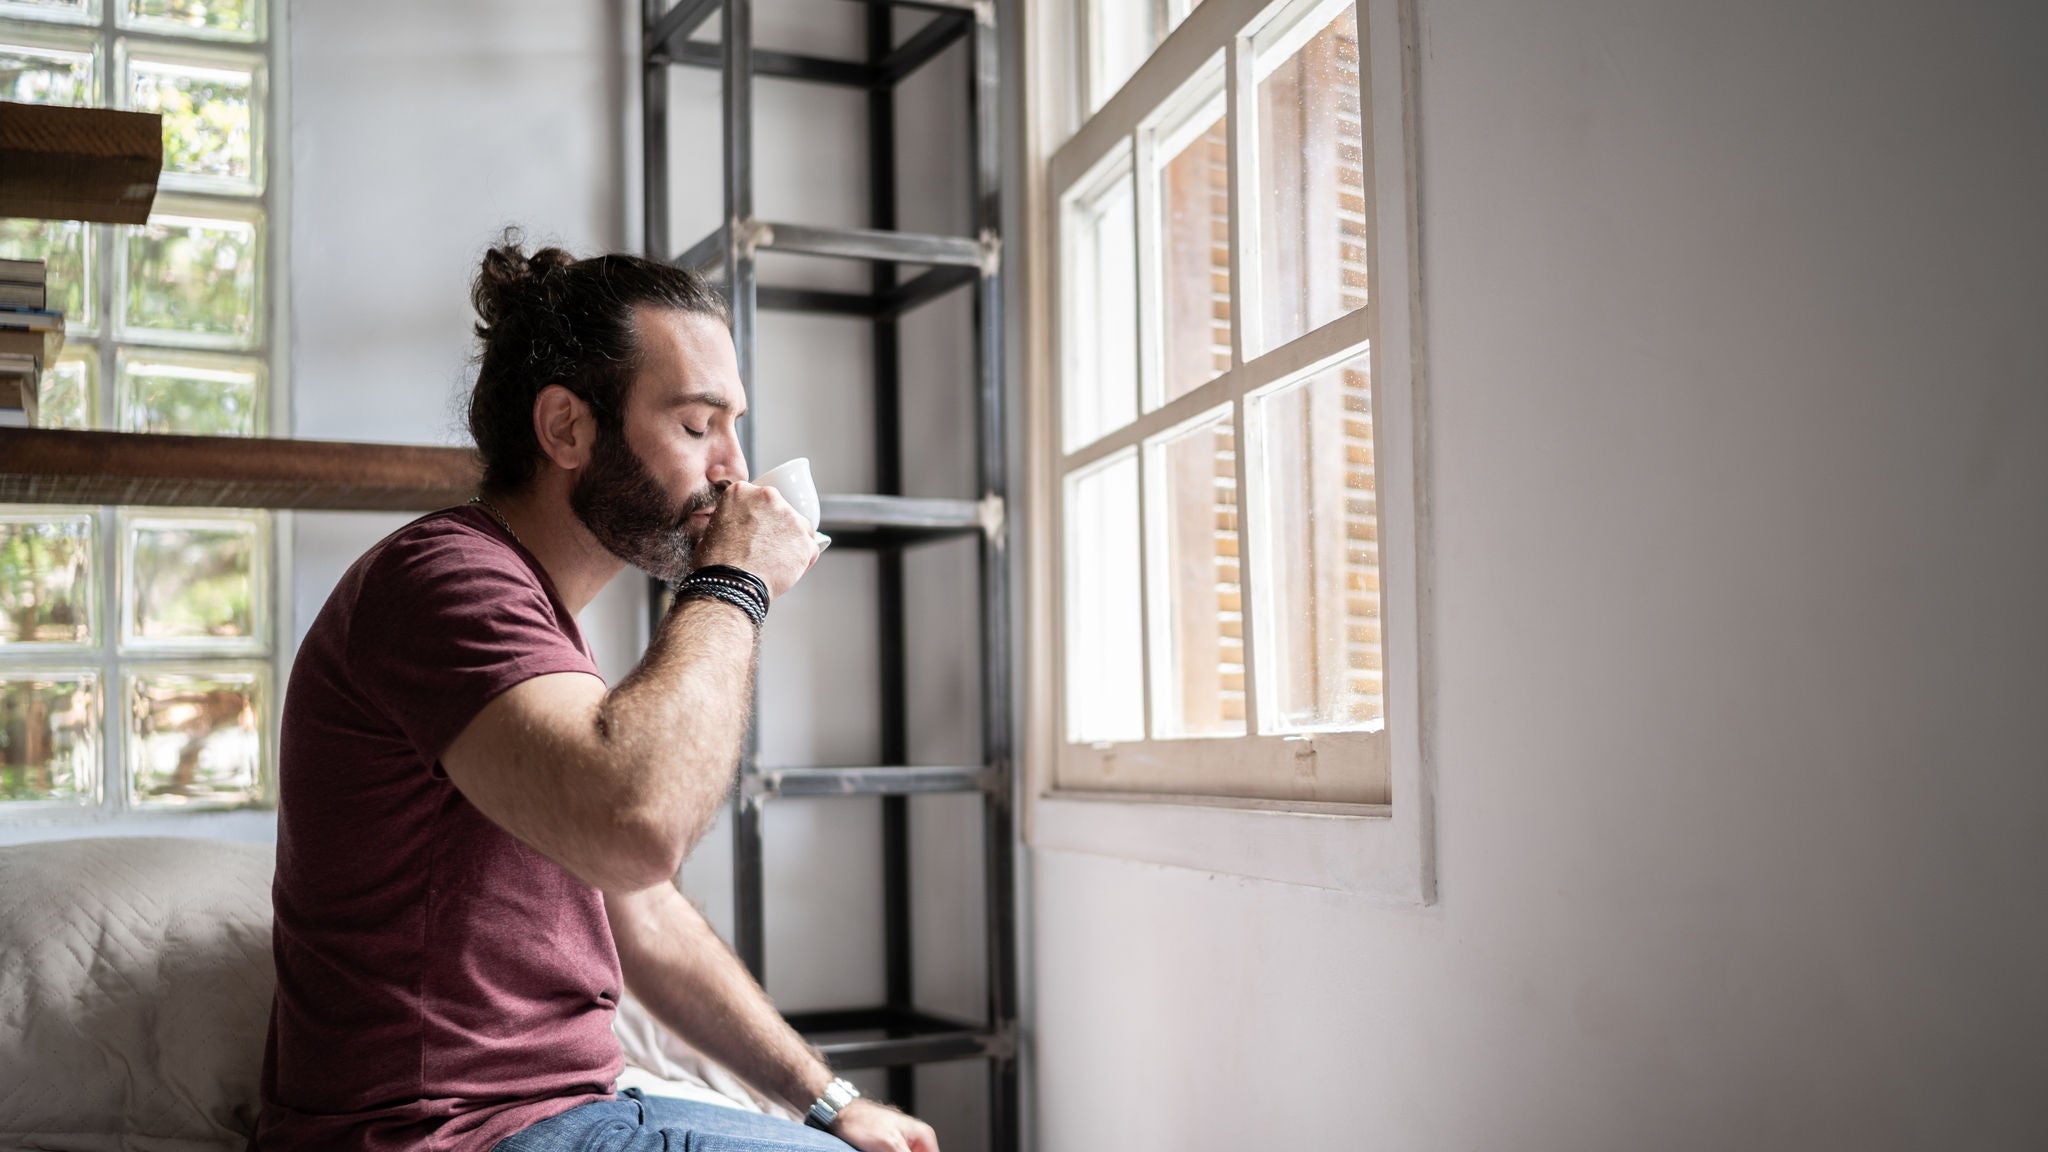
<point>575,562</point>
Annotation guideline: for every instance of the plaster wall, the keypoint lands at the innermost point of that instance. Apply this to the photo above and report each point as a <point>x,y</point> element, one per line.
<point>1737,388</point>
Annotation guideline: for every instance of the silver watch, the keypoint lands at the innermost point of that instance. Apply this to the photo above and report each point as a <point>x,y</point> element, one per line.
<point>825,1111</point>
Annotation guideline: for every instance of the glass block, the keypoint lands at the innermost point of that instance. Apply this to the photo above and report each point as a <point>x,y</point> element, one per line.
<point>218,19</point>
<point>49,591</point>
<point>1193,188</point>
<point>194,582</point>
<point>195,734</point>
<point>49,736</point>
<point>193,281</point>
<point>52,72</point>
<point>66,247</point>
<point>71,389</point>
<point>1105,696</point>
<point>211,137</point>
<point>189,393</point>
<point>1196,609</point>
<point>1311,184</point>
<point>68,11</point>
<point>1099,383</point>
<point>1312,483</point>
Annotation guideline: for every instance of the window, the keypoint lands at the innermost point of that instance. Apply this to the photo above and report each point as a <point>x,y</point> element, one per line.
<point>1215,470</point>
<point>137,645</point>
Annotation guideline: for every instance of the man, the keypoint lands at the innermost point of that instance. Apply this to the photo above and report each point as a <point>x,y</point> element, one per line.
<point>476,840</point>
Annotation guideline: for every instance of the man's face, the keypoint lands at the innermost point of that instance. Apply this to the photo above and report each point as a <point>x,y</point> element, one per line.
<point>648,495</point>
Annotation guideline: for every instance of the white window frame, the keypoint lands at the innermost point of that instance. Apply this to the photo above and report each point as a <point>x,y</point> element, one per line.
<point>115,812</point>
<point>1382,850</point>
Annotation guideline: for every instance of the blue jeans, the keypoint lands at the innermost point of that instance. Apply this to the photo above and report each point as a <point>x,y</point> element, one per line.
<point>632,1122</point>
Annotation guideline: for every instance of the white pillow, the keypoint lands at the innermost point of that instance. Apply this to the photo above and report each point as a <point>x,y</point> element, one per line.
<point>135,984</point>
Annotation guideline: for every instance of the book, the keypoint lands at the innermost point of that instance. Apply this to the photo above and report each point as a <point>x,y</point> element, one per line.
<point>30,319</point>
<point>24,271</point>
<point>44,346</point>
<point>23,295</point>
<point>18,407</point>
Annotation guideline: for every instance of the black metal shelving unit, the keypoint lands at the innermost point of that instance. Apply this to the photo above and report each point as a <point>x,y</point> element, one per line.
<point>906,270</point>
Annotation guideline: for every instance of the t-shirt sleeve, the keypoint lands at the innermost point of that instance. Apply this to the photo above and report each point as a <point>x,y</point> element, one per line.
<point>444,623</point>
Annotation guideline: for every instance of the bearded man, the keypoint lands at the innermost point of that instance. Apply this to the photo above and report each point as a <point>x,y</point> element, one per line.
<point>476,839</point>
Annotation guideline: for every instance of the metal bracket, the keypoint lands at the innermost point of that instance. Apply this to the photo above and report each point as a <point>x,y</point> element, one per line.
<point>989,512</point>
<point>991,253</point>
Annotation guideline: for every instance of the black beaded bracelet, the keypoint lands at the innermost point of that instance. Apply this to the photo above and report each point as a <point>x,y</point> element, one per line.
<point>738,597</point>
<point>729,572</point>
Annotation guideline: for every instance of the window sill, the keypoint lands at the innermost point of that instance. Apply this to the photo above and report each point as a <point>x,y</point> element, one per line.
<point>1368,850</point>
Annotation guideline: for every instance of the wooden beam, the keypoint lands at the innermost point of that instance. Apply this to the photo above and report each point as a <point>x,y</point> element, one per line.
<point>44,466</point>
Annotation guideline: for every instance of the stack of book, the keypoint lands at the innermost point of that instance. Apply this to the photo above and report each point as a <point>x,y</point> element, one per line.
<point>30,337</point>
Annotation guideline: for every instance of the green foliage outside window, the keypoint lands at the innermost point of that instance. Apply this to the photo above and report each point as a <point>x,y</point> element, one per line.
<point>194,276</point>
<point>206,118</point>
<point>65,246</point>
<point>46,76</point>
<point>236,17</point>
<point>46,585</point>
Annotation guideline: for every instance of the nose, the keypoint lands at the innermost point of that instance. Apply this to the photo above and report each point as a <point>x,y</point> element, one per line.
<point>728,465</point>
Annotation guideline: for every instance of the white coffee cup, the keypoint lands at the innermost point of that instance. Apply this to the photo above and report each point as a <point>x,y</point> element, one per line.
<point>793,480</point>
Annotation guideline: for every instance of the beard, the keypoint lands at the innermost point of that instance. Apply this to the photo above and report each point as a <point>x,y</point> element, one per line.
<point>631,514</point>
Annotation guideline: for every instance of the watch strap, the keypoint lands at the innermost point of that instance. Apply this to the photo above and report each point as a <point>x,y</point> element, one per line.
<point>826,1109</point>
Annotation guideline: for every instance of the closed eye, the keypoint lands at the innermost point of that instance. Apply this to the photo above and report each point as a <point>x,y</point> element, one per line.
<point>695,432</point>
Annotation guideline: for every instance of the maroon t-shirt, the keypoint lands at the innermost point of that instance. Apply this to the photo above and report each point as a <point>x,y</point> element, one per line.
<point>440,985</point>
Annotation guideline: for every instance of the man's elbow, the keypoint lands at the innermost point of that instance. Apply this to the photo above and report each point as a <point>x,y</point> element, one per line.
<point>642,852</point>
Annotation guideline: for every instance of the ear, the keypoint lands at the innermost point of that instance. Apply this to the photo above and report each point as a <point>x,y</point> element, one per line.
<point>564,427</point>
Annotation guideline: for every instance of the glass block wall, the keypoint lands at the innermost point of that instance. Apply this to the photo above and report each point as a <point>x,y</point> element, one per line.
<point>137,645</point>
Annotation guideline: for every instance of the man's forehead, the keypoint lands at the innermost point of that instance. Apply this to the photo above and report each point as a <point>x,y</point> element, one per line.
<point>688,360</point>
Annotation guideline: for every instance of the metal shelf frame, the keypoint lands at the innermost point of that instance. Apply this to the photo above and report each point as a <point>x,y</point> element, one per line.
<point>906,271</point>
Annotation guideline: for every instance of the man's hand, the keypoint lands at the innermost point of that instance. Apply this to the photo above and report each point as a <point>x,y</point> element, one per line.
<point>756,529</point>
<point>872,1126</point>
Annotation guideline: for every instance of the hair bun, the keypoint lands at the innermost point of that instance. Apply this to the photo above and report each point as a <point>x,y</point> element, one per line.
<point>510,281</point>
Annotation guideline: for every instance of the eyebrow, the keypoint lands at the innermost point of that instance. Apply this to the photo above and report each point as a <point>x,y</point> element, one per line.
<point>707,399</point>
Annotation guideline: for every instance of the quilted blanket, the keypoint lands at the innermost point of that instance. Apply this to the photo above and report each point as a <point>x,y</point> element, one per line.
<point>135,981</point>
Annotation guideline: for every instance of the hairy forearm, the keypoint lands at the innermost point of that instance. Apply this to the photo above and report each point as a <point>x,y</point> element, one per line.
<point>686,976</point>
<point>675,724</point>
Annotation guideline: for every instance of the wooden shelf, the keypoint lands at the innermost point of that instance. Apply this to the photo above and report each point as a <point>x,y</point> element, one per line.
<point>42,466</point>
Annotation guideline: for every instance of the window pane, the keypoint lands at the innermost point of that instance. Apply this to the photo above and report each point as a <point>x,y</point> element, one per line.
<point>70,388</point>
<point>193,281</point>
<point>1312,234</point>
<point>38,74</point>
<point>192,582</point>
<point>195,735</point>
<point>1197,621</point>
<point>1319,639</point>
<point>1100,383</point>
<point>48,593</point>
<point>1105,670</point>
<point>1194,253</point>
<point>65,246</point>
<point>193,394</point>
<point>50,736</point>
<point>226,19</point>
<point>79,11</point>
<point>208,132</point>
<point>1121,34</point>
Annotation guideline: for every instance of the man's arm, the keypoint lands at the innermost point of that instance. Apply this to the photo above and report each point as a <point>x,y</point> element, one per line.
<point>694,985</point>
<point>617,786</point>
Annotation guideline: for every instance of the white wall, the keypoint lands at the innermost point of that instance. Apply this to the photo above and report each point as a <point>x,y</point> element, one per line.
<point>1738,386</point>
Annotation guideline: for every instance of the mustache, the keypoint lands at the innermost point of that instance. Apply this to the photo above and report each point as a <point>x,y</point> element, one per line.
<point>701,500</point>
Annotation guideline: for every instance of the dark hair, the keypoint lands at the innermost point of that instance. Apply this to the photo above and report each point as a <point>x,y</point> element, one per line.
<point>550,318</point>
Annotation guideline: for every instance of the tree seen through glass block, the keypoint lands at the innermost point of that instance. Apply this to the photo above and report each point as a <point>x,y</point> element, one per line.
<point>39,74</point>
<point>66,249</point>
<point>191,583</point>
<point>208,130</point>
<point>225,19</point>
<point>69,395</point>
<point>194,280</point>
<point>48,594</point>
<point>1195,595</point>
<point>190,394</point>
<point>195,734</point>
<point>1313,483</point>
<point>66,10</point>
<point>49,736</point>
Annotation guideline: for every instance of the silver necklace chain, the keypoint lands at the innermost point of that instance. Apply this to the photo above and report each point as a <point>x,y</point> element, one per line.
<point>499,517</point>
